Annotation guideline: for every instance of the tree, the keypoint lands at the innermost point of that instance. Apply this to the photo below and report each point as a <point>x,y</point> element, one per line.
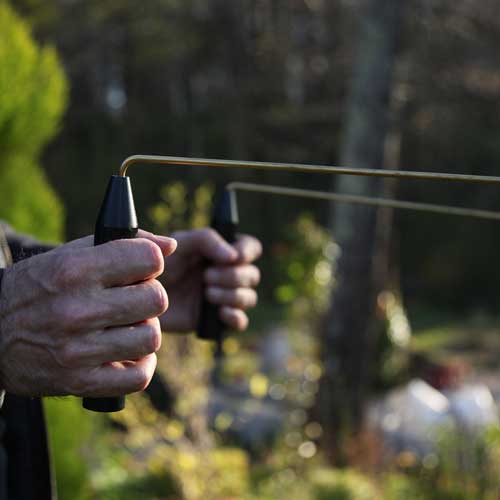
<point>348,340</point>
<point>32,99</point>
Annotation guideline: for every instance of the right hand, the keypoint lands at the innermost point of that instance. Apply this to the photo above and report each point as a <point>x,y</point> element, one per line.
<point>83,320</point>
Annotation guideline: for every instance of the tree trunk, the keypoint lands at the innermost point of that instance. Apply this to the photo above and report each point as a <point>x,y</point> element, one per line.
<point>348,342</point>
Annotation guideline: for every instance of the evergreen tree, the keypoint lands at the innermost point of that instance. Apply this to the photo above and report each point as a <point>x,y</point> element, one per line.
<point>33,91</point>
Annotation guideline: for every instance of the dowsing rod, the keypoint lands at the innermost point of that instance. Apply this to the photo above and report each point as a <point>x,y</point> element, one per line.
<point>318,169</point>
<point>363,200</point>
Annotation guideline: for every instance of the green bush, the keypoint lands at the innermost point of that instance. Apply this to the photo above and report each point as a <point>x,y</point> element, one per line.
<point>336,484</point>
<point>33,94</point>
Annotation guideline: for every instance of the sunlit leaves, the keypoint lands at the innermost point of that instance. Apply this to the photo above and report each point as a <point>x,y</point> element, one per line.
<point>33,92</point>
<point>306,263</point>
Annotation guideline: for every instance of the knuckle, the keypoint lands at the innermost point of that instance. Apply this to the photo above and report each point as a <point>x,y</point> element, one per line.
<point>257,276</point>
<point>141,379</point>
<point>72,315</point>
<point>234,275</point>
<point>252,298</point>
<point>258,248</point>
<point>241,321</point>
<point>77,385</point>
<point>158,298</point>
<point>67,355</point>
<point>66,271</point>
<point>153,337</point>
<point>209,233</point>
<point>246,298</point>
<point>241,298</point>
<point>154,256</point>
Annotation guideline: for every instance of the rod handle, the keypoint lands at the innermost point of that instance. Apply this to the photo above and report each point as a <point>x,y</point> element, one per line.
<point>103,235</point>
<point>210,326</point>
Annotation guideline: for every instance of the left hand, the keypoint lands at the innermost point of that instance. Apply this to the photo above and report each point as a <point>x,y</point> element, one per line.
<point>229,279</point>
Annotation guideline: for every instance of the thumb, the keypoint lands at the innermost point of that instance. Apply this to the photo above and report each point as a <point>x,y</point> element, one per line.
<point>166,244</point>
<point>207,243</point>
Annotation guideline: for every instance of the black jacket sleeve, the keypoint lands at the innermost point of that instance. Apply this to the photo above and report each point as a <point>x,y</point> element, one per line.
<point>23,246</point>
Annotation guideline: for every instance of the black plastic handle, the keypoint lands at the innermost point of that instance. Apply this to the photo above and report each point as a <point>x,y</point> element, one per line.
<point>116,221</point>
<point>210,326</point>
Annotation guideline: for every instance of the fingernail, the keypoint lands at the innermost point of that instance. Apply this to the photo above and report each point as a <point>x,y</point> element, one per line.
<point>166,239</point>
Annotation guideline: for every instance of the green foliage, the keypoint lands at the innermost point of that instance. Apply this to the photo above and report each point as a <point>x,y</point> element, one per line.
<point>397,486</point>
<point>331,484</point>
<point>180,209</point>
<point>463,467</point>
<point>70,429</point>
<point>33,92</point>
<point>27,201</point>
<point>304,265</point>
<point>149,486</point>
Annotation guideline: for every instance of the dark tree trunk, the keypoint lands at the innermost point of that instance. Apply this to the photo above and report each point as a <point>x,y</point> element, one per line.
<point>348,340</point>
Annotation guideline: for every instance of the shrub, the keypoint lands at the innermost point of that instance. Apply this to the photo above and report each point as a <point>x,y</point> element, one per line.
<point>33,92</point>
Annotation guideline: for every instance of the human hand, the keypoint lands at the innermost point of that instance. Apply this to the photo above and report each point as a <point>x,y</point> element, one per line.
<point>83,320</point>
<point>230,279</point>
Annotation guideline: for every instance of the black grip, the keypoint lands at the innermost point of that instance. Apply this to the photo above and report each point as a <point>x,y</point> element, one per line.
<point>117,220</point>
<point>210,326</point>
<point>108,405</point>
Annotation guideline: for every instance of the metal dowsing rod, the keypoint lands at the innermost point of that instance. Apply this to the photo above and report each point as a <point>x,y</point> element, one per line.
<point>318,169</point>
<point>363,200</point>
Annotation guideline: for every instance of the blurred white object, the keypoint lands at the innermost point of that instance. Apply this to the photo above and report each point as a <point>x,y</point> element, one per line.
<point>473,406</point>
<point>412,417</point>
<point>275,351</point>
<point>422,409</point>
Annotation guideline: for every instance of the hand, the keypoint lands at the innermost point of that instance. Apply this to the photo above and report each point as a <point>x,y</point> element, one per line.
<point>229,280</point>
<point>70,318</point>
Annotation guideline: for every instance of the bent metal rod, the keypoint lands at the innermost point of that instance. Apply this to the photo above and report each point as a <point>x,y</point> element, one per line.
<point>325,169</point>
<point>363,200</point>
<point>316,169</point>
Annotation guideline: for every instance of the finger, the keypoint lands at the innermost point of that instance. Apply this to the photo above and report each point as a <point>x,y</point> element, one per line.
<point>167,245</point>
<point>130,304</point>
<point>124,262</point>
<point>117,379</point>
<point>249,248</point>
<point>241,298</point>
<point>116,344</point>
<point>234,318</point>
<point>233,276</point>
<point>208,244</point>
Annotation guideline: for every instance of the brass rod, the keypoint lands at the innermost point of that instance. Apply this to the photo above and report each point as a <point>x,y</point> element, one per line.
<point>318,169</point>
<point>363,200</point>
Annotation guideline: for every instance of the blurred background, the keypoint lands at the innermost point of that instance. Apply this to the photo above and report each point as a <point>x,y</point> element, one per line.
<point>371,366</point>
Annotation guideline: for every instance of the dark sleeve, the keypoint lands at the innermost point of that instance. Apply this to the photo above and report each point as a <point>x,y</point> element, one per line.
<point>23,246</point>
<point>2,392</point>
